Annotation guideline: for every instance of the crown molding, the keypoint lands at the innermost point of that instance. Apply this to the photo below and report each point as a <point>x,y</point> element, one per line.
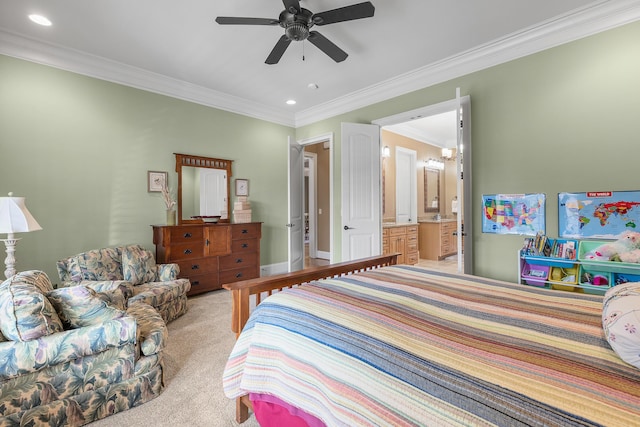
<point>56,56</point>
<point>581,23</point>
<point>564,29</point>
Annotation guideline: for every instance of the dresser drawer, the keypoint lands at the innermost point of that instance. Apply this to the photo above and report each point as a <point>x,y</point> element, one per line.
<point>230,276</point>
<point>203,283</point>
<point>198,266</point>
<point>186,251</point>
<point>186,234</point>
<point>241,260</point>
<point>245,245</point>
<point>245,231</point>
<point>397,231</point>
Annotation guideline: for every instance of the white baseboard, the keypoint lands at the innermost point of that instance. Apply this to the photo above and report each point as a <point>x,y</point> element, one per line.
<point>323,255</point>
<point>271,269</point>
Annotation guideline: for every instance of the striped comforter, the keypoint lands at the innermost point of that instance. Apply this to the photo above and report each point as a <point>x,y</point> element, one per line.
<point>402,346</point>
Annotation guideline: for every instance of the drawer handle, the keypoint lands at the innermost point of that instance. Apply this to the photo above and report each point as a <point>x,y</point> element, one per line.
<point>245,245</point>
<point>195,267</point>
<point>187,235</point>
<point>239,275</point>
<point>195,283</point>
<point>187,251</point>
<point>245,231</point>
<point>238,260</point>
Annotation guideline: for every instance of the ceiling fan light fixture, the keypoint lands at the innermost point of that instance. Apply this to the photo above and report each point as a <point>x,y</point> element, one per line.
<point>297,31</point>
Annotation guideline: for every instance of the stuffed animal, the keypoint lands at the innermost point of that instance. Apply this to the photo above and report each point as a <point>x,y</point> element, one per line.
<point>627,246</point>
<point>631,256</point>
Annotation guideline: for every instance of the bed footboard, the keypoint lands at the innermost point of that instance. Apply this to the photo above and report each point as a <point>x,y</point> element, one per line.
<point>243,291</point>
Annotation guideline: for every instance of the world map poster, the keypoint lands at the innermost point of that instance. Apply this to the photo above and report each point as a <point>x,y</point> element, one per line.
<point>598,214</point>
<point>513,213</point>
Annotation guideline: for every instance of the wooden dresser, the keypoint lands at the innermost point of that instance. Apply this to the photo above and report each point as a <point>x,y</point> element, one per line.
<point>210,255</point>
<point>437,239</point>
<point>401,239</point>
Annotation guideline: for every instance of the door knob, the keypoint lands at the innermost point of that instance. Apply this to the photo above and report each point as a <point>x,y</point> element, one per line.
<point>289,225</point>
<point>346,227</point>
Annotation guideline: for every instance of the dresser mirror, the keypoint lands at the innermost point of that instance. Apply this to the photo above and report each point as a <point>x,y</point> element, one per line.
<point>203,188</point>
<point>431,190</point>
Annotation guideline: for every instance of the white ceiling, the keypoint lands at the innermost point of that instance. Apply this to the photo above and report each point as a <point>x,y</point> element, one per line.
<point>439,129</point>
<point>176,47</point>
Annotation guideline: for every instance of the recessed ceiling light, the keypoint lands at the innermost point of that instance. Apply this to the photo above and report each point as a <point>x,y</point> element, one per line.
<point>291,102</point>
<point>41,20</point>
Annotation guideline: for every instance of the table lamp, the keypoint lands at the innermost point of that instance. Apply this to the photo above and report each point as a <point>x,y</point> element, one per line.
<point>14,218</point>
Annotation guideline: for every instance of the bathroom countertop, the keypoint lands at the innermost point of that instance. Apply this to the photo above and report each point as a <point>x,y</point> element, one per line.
<point>437,220</point>
<point>397,224</point>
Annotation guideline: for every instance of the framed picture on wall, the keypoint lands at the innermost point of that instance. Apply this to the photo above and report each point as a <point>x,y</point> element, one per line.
<point>242,187</point>
<point>155,181</point>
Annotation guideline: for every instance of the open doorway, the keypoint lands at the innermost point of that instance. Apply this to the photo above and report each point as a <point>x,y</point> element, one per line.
<point>307,224</point>
<point>316,205</point>
<point>443,196</point>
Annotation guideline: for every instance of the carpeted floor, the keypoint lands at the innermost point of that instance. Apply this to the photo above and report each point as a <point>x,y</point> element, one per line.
<point>199,343</point>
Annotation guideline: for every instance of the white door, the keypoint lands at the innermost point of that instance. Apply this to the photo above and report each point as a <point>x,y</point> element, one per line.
<point>296,210</point>
<point>406,186</point>
<point>360,191</point>
<point>213,182</point>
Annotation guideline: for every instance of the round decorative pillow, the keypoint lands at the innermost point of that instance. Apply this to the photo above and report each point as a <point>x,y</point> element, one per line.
<point>621,321</point>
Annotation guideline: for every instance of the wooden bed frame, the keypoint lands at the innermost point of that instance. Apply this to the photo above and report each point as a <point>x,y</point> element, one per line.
<point>242,292</point>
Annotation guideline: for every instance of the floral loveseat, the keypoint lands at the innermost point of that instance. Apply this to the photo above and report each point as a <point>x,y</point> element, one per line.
<point>70,356</point>
<point>155,284</point>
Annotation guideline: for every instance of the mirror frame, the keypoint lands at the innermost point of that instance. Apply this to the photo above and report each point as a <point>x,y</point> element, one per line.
<point>188,160</point>
<point>427,205</point>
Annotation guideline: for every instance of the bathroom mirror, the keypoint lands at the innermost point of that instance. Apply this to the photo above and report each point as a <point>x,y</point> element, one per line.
<point>203,188</point>
<point>431,190</point>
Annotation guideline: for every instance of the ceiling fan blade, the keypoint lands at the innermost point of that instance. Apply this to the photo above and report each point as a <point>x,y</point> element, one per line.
<point>347,13</point>
<point>325,45</point>
<point>291,6</point>
<point>236,20</point>
<point>278,50</point>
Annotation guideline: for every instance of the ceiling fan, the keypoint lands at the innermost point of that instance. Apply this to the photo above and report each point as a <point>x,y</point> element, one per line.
<point>297,22</point>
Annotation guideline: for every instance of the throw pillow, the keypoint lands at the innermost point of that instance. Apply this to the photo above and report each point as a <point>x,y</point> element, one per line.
<point>25,312</point>
<point>138,265</point>
<point>69,269</point>
<point>621,321</point>
<point>100,264</point>
<point>80,306</point>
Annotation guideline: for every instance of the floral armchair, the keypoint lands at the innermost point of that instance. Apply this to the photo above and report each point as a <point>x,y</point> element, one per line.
<point>70,356</point>
<point>155,284</point>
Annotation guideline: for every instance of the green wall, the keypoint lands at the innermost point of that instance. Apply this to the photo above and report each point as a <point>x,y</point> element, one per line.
<point>78,148</point>
<point>566,119</point>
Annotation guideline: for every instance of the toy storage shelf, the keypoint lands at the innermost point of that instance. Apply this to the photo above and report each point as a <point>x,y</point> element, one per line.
<point>576,275</point>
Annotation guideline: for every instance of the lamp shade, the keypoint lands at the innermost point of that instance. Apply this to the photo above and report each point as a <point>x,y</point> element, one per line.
<point>15,217</point>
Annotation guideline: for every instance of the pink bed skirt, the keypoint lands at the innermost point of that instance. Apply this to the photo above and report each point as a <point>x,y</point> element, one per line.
<point>273,412</point>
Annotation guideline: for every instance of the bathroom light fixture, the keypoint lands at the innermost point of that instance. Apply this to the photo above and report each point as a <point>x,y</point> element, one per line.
<point>40,20</point>
<point>434,164</point>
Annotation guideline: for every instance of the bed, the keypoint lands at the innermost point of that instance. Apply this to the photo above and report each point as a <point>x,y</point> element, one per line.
<point>374,343</point>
